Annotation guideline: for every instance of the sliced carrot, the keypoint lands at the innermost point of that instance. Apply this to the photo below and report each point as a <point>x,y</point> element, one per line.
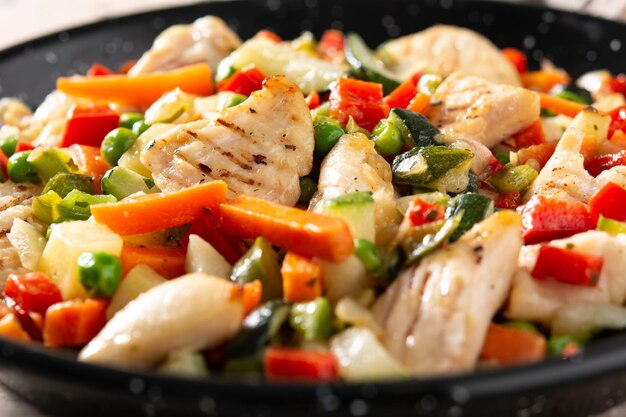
<point>540,153</point>
<point>508,345</point>
<point>305,233</point>
<point>74,323</point>
<point>419,103</point>
<point>559,105</point>
<point>166,261</point>
<point>250,293</point>
<point>140,90</point>
<point>302,278</point>
<point>544,80</point>
<point>531,135</point>
<point>151,212</point>
<point>11,329</point>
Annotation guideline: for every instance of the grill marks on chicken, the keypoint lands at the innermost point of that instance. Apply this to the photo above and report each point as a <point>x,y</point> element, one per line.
<point>260,147</point>
<point>435,315</point>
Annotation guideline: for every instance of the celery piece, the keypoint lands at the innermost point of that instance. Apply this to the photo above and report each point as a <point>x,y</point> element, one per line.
<point>353,127</point>
<point>45,207</point>
<point>76,204</point>
<point>612,227</point>
<point>513,178</point>
<point>312,321</point>
<point>260,262</point>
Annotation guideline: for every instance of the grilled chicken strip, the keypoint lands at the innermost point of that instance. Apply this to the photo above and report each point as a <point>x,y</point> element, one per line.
<point>15,202</point>
<point>436,315</point>
<point>208,39</point>
<point>260,147</point>
<point>564,176</point>
<point>354,165</point>
<point>473,108</point>
<point>193,311</point>
<point>535,300</point>
<point>445,49</point>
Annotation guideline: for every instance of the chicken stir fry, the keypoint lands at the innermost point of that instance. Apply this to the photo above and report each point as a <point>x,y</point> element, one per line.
<point>316,210</point>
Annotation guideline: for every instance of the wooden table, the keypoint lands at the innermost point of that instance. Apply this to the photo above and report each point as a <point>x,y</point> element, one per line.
<point>52,15</point>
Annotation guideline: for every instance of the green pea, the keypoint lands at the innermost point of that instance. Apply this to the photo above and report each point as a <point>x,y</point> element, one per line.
<point>20,170</point>
<point>308,187</point>
<point>128,120</point>
<point>99,273</point>
<point>115,143</point>
<point>387,138</point>
<point>8,145</point>
<point>367,253</point>
<point>140,127</point>
<point>326,136</point>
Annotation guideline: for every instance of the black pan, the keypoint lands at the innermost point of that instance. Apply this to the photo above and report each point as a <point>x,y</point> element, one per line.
<point>579,387</point>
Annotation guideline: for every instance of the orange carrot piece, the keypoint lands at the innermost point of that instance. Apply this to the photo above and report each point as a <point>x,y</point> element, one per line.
<point>619,138</point>
<point>250,293</point>
<point>302,278</point>
<point>559,105</point>
<point>74,322</point>
<point>299,231</point>
<point>531,135</point>
<point>11,328</point>
<point>140,90</point>
<point>540,153</point>
<point>507,345</point>
<point>544,80</point>
<point>151,212</point>
<point>165,260</point>
<point>419,103</point>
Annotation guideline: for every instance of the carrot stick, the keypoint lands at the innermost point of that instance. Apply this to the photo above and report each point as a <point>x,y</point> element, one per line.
<point>11,329</point>
<point>305,233</point>
<point>250,293</point>
<point>166,261</point>
<point>419,103</point>
<point>302,278</point>
<point>559,105</point>
<point>544,80</point>
<point>507,345</point>
<point>151,212</point>
<point>74,322</point>
<point>141,90</point>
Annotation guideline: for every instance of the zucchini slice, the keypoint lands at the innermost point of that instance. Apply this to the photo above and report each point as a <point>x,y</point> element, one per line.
<point>416,129</point>
<point>472,207</point>
<point>364,64</point>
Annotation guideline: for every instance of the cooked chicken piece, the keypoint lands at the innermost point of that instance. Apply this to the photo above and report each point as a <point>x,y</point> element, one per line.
<point>476,109</point>
<point>15,202</point>
<point>564,176</point>
<point>194,311</point>
<point>208,39</point>
<point>354,165</point>
<point>260,147</point>
<point>436,315</point>
<point>535,300</point>
<point>446,49</point>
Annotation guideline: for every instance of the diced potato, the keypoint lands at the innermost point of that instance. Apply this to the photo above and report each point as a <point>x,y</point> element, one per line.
<point>184,363</point>
<point>363,358</point>
<point>345,279</point>
<point>28,241</point>
<point>67,242</point>
<point>202,257</point>
<point>137,281</point>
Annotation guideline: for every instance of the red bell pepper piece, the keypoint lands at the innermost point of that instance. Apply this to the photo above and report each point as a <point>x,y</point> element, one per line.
<point>540,153</point>
<point>97,69</point>
<point>546,219</point>
<point>245,81</point>
<point>331,46</point>
<point>267,34</point>
<point>210,228</point>
<point>4,162</point>
<point>313,100</point>
<point>510,200</point>
<point>618,120</point>
<point>617,84</point>
<point>609,202</point>
<point>603,162</point>
<point>362,100</point>
<point>402,95</point>
<point>23,146</point>
<point>567,266</point>
<point>89,125</point>
<point>532,135</point>
<point>422,212</point>
<point>34,292</point>
<point>126,66</point>
<point>290,364</point>
<point>517,58</point>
